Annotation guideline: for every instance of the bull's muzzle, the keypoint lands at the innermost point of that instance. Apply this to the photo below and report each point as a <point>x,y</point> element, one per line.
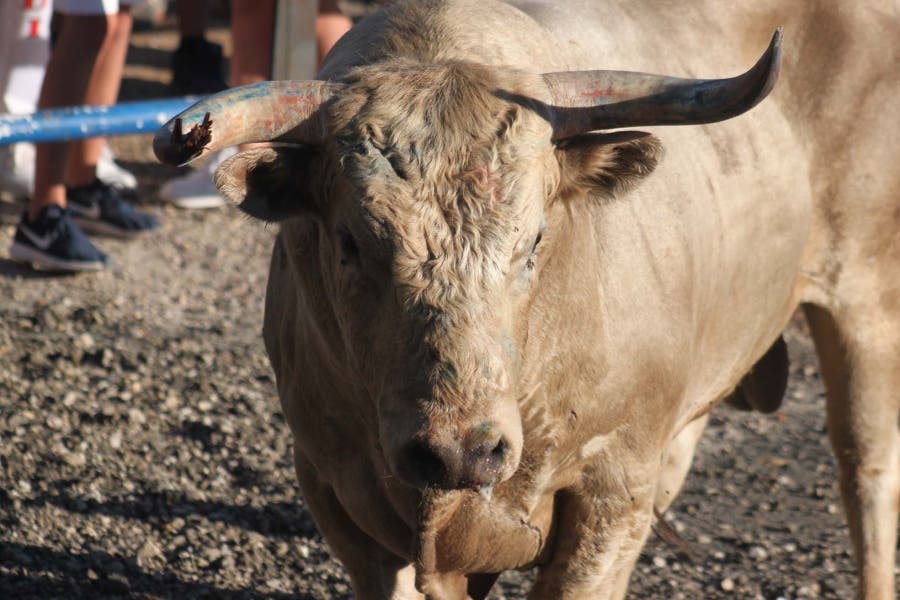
<point>473,461</point>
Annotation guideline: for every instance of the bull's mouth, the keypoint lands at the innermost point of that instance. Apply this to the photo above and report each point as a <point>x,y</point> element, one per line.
<point>458,531</point>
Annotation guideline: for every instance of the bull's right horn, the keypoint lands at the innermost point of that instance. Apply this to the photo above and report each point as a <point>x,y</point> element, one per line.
<point>583,101</point>
<point>271,111</point>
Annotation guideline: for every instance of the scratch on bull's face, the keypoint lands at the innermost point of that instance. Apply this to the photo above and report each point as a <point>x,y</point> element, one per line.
<point>436,232</point>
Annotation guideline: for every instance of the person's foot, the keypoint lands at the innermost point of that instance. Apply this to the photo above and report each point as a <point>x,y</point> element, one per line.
<point>54,242</point>
<point>17,169</point>
<point>109,171</point>
<point>196,189</point>
<point>197,68</point>
<point>98,208</point>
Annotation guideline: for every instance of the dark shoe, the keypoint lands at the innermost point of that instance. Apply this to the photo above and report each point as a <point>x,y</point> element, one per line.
<point>54,242</point>
<point>197,68</point>
<point>98,208</point>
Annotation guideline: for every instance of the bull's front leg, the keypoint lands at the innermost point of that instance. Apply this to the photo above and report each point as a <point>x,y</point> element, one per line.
<point>376,573</point>
<point>600,532</point>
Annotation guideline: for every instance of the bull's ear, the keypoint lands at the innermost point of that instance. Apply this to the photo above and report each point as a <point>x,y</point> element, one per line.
<point>267,183</point>
<point>606,164</point>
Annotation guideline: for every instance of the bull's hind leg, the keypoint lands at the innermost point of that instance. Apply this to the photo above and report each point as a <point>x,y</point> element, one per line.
<point>859,352</point>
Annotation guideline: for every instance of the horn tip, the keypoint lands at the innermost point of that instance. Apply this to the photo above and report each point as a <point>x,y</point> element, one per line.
<point>775,44</point>
<point>172,147</point>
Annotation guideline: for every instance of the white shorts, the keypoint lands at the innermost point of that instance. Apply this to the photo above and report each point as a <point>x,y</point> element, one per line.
<point>91,7</point>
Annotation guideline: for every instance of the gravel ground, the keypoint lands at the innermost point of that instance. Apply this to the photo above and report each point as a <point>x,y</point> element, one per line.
<point>142,452</point>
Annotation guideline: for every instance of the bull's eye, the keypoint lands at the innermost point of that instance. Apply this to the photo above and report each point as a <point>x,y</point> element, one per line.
<point>349,249</point>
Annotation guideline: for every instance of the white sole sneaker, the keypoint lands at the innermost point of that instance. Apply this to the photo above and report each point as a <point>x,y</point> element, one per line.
<point>17,169</point>
<point>112,174</point>
<point>40,261</point>
<point>196,189</point>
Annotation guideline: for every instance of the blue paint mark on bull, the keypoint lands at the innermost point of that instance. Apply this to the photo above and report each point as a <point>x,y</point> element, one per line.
<point>79,122</point>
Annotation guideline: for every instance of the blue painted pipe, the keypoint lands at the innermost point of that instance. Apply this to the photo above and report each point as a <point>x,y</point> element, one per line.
<point>79,122</point>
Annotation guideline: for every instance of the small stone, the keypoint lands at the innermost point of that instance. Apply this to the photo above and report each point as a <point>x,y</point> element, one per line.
<point>727,584</point>
<point>275,583</point>
<point>148,552</point>
<point>136,416</point>
<point>659,562</point>
<point>85,341</point>
<point>117,583</point>
<point>304,550</point>
<point>75,459</point>
<point>115,440</point>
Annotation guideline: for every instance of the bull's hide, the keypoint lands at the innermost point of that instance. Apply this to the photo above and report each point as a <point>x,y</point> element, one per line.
<point>497,331</point>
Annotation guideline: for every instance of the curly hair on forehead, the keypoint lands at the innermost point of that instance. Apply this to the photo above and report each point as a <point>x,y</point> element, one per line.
<point>430,143</point>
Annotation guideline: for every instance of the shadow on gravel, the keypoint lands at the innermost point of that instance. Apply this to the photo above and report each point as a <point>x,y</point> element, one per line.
<point>13,270</point>
<point>53,574</point>
<point>276,519</point>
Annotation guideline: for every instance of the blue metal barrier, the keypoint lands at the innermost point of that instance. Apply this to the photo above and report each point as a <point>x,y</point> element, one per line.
<point>79,122</point>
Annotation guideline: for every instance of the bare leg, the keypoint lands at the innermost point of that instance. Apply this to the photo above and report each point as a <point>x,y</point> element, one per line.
<point>331,24</point>
<point>252,34</point>
<point>859,352</point>
<point>102,90</point>
<point>65,83</point>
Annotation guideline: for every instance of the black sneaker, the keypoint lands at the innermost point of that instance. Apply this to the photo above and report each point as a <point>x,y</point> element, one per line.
<point>54,242</point>
<point>98,208</point>
<point>197,68</point>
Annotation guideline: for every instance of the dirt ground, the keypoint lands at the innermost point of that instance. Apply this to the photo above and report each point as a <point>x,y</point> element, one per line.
<point>142,452</point>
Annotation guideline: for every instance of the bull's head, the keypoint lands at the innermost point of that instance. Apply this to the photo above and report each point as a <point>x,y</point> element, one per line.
<point>429,188</point>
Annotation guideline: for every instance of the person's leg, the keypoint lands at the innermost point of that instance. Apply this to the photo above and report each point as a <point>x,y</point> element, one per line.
<point>49,236</point>
<point>252,31</point>
<point>46,236</point>
<point>252,24</point>
<point>193,18</point>
<point>24,50</point>
<point>331,25</point>
<point>197,64</point>
<point>66,82</point>
<point>102,90</point>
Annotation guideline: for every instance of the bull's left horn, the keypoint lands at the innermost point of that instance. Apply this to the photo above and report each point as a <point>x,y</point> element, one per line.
<point>272,111</point>
<point>583,101</point>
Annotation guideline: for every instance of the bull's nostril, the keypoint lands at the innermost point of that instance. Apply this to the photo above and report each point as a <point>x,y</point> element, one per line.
<point>499,450</point>
<point>493,459</point>
<point>425,466</point>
